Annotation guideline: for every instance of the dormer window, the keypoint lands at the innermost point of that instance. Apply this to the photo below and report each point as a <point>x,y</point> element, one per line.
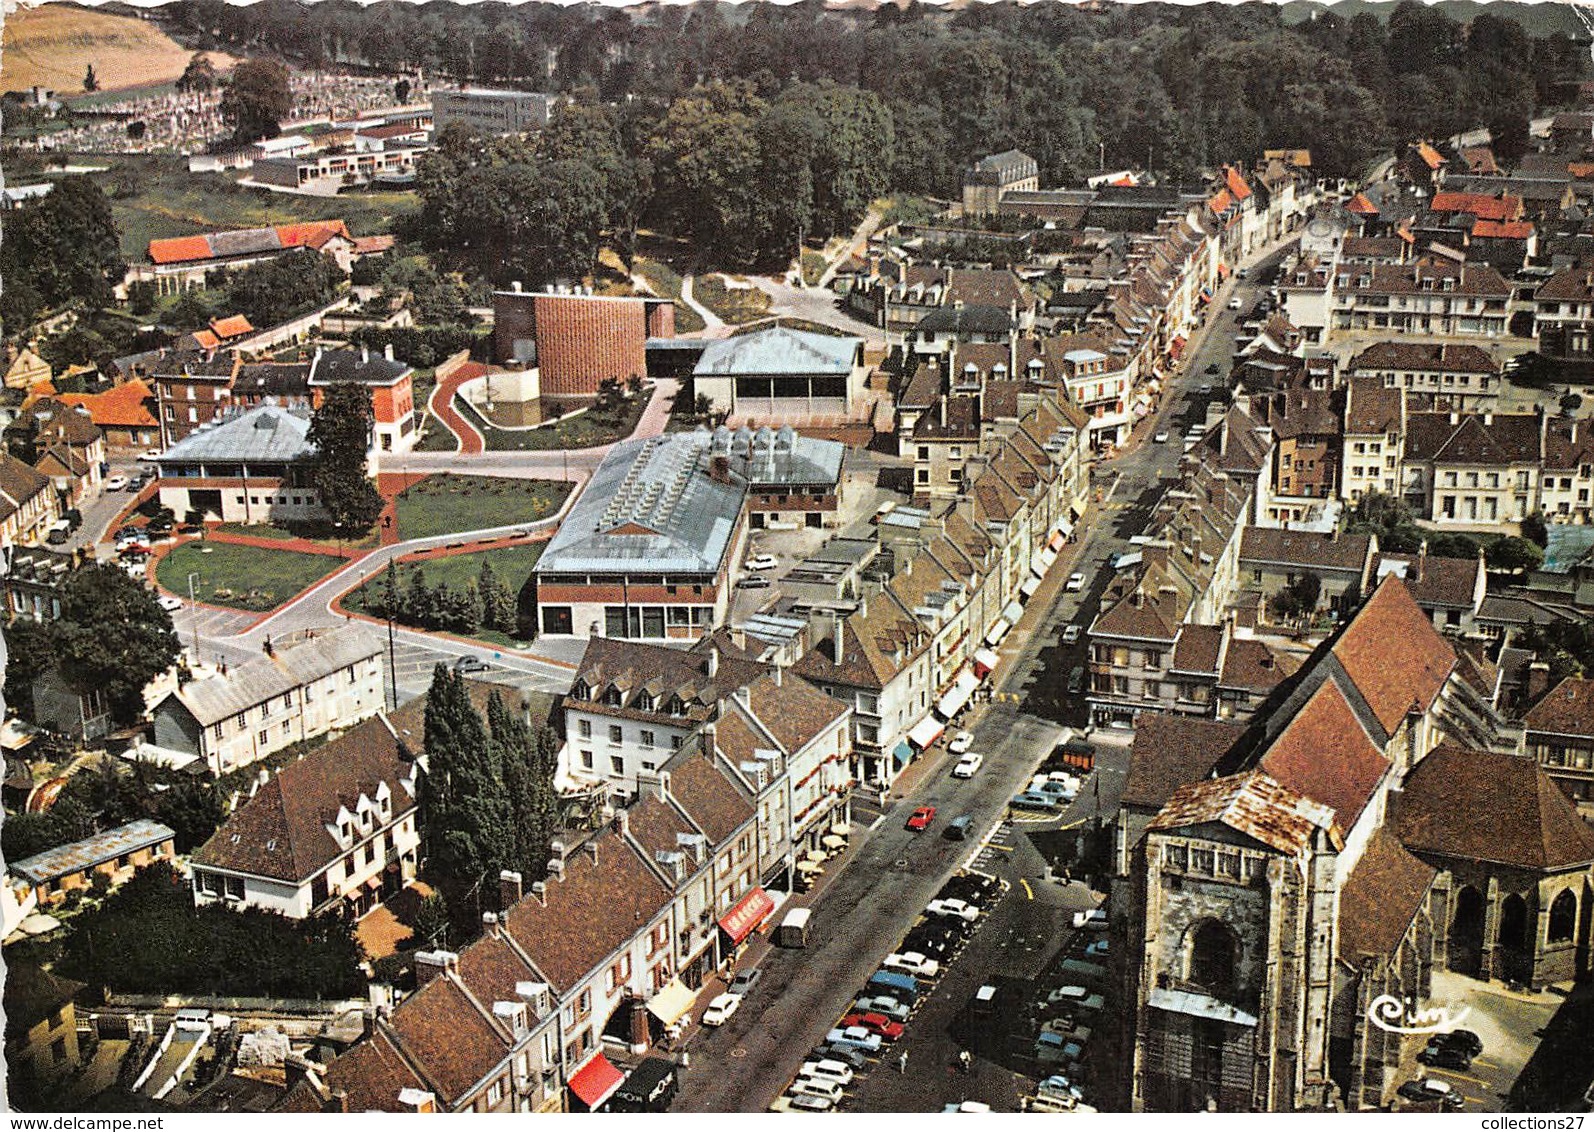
<point>1450,284</point>
<point>582,690</point>
<point>676,706</point>
<point>612,697</point>
<point>645,701</point>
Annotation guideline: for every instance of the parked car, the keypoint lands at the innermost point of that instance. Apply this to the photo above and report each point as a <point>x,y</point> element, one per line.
<point>1029,800</point>
<point>830,1069</point>
<point>1213,368</point>
<point>1070,634</point>
<point>150,454</point>
<point>753,582</point>
<point>816,1087</point>
<point>470,664</point>
<point>1097,949</point>
<point>968,765</point>
<point>762,562</point>
<point>921,818</point>
<point>846,1054</point>
<point>913,963</point>
<point>875,1024</point>
<point>961,742</point>
<point>1076,679</point>
<point>808,1102</point>
<point>1075,582</point>
<point>720,1009</point>
<point>744,981</point>
<point>1235,304</point>
<point>1160,437</point>
<point>1427,1090</point>
<point>856,1037</point>
<point>171,604</point>
<point>976,888</point>
<point>1068,994</point>
<point>73,517</point>
<point>1442,1056</point>
<point>960,909</point>
<point>116,483</point>
<point>1464,1040</point>
<point>191,529</point>
<point>883,1004</point>
<point>1094,920</point>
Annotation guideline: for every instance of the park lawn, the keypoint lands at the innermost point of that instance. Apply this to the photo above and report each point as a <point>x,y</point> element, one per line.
<point>735,306</point>
<point>242,577</point>
<point>447,504</point>
<point>434,437</point>
<point>594,427</point>
<point>813,265</point>
<point>319,536</point>
<point>512,564</point>
<point>153,196</point>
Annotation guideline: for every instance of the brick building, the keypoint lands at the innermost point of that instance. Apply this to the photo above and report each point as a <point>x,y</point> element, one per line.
<point>576,341</point>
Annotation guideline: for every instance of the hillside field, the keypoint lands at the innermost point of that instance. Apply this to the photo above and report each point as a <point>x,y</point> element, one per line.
<point>51,45</point>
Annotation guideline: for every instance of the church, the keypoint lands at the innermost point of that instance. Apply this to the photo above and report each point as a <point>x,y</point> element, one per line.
<point>1371,824</point>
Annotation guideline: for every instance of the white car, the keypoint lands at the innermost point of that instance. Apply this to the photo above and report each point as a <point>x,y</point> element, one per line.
<point>1161,437</point>
<point>1075,582</point>
<point>171,604</point>
<point>883,1004</point>
<point>1067,994</point>
<point>857,1037</point>
<point>1235,304</point>
<point>150,454</point>
<point>913,963</point>
<point>1070,634</point>
<point>961,909</point>
<point>968,765</point>
<point>116,483</point>
<point>720,1009</point>
<point>827,1070</point>
<point>762,562</point>
<point>961,742</point>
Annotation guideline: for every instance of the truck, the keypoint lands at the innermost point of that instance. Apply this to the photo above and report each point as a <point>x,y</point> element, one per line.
<point>793,930</point>
<point>903,988</point>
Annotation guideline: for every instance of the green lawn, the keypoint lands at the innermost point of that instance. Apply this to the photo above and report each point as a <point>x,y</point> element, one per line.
<point>667,285</point>
<point>434,437</point>
<point>153,196</point>
<point>512,564</point>
<point>448,504</point>
<point>242,577</point>
<point>813,264</point>
<point>319,534</point>
<point>731,305</point>
<point>595,426</point>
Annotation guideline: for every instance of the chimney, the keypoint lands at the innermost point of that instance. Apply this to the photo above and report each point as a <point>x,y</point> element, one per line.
<point>622,822</point>
<point>416,1100</point>
<point>430,964</point>
<point>387,351</point>
<point>515,286</point>
<point>778,671</point>
<point>1455,418</point>
<point>839,645</point>
<point>713,662</point>
<point>509,889</point>
<point>368,1020</point>
<point>708,739</point>
<point>365,354</point>
<point>592,849</point>
<point>540,890</point>
<point>490,924</point>
<point>1488,420</point>
<point>1422,558</point>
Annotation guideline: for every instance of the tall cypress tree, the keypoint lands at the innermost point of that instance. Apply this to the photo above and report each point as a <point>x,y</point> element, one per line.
<point>465,815</point>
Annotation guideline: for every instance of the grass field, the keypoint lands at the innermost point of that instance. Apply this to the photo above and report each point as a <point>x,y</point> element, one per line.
<point>594,427</point>
<point>743,304</point>
<point>154,197</point>
<point>512,564</point>
<point>242,577</point>
<point>273,531</point>
<point>52,45</point>
<point>667,285</point>
<point>448,504</point>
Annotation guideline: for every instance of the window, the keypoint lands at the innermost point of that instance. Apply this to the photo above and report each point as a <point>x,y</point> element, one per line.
<point>675,742</point>
<point>1211,961</point>
<point>215,731</point>
<point>263,737</point>
<point>584,728</point>
<point>584,1003</point>
<point>586,759</point>
<point>616,735</point>
<point>616,764</point>
<point>1563,917</point>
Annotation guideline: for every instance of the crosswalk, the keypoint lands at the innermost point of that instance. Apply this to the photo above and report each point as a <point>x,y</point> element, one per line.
<point>995,849</point>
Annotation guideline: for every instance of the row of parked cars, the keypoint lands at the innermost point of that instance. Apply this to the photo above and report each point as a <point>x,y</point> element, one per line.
<point>880,1015</point>
<point>1065,1011</point>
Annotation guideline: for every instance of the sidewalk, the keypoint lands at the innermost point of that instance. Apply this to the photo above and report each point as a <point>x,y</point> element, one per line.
<point>441,406</point>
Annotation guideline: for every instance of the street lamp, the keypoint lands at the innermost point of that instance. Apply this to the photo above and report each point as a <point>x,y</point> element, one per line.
<point>192,575</point>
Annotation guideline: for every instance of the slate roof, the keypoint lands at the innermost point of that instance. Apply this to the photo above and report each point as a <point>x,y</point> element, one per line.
<point>1509,438</point>
<point>632,669</point>
<point>1170,751</point>
<point>272,379</point>
<point>267,434</point>
<point>282,832</point>
<point>216,698</point>
<point>1307,550</point>
<point>1380,898</point>
<point>1251,803</point>
<point>1525,821</point>
<point>1370,408</point>
<point>977,319</point>
<point>1447,358</point>
<point>90,851</point>
<point>778,350</point>
<point>1567,709</point>
<point>1434,580</point>
<point>651,506</point>
<point>1392,652</point>
<point>331,367</point>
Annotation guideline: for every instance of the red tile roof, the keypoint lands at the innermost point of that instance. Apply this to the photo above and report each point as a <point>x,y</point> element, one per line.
<point>1430,156</point>
<point>1481,205</point>
<point>232,326</point>
<point>1566,710</point>
<point>1393,654</point>
<point>447,1035</point>
<point>1360,205</point>
<point>1220,203</point>
<point>206,339</point>
<point>1503,229</point>
<point>126,406</point>
<point>1325,754</point>
<point>1236,183</point>
<point>179,249</point>
<point>1171,750</point>
<point>314,234</point>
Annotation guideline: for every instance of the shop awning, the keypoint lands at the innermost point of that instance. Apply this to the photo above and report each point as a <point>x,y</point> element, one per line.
<point>1044,561</point>
<point>374,883</point>
<point>958,695</point>
<point>1056,542</point>
<point>1206,294</point>
<point>904,752</point>
<point>674,1000</point>
<point>984,661</point>
<point>998,631</point>
<point>595,1082</point>
<point>926,731</point>
<point>751,911</point>
<point>1012,613</point>
<point>1223,271</point>
<point>1031,584</point>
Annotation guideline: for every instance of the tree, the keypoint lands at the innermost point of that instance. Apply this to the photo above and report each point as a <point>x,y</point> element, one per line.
<point>1535,530</point>
<point>90,82</point>
<point>341,431</point>
<point>199,76</point>
<point>29,648</point>
<point>1298,599</point>
<point>282,288</point>
<point>257,99</point>
<point>192,809</point>
<point>1508,137</point>
<point>465,816</point>
<point>1516,555</point>
<point>112,636</point>
<point>401,91</point>
<point>498,604</point>
<point>59,249</point>
<point>1571,403</point>
<point>528,786</point>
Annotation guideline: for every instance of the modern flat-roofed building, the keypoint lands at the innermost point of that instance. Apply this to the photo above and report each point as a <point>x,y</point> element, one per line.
<point>790,478</point>
<point>117,854</point>
<point>493,111</point>
<point>646,551</point>
<point>780,374</point>
<point>252,468</point>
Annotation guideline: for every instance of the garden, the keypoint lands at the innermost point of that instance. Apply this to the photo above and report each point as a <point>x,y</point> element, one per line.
<point>244,577</point>
<point>614,417</point>
<point>447,504</point>
<point>475,595</point>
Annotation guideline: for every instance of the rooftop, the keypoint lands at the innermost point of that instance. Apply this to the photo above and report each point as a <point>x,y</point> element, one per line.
<point>91,851</point>
<point>778,350</point>
<point>216,698</point>
<point>267,434</point>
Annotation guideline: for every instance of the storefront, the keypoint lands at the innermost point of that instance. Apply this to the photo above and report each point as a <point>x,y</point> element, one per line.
<point>748,915</point>
<point>593,1084</point>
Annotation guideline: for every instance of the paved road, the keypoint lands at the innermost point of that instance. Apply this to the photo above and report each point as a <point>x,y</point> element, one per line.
<point>861,916</point>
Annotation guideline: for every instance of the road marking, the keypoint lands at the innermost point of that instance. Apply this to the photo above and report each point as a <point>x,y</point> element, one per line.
<point>1029,892</point>
<point>1001,848</point>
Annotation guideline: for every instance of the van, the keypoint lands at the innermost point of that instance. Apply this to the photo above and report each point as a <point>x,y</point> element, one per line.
<point>793,930</point>
<point>817,1087</point>
<point>60,531</point>
<point>828,1069</point>
<point>958,828</point>
<point>903,988</point>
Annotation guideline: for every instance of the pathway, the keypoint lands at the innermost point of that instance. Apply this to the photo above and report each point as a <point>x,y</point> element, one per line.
<point>713,325</point>
<point>860,240</point>
<point>441,406</point>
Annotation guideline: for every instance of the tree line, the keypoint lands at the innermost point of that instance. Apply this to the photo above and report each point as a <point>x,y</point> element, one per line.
<point>485,603</point>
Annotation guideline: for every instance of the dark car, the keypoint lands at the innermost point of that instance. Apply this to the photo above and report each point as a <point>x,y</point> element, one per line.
<point>849,1056</point>
<point>744,981</point>
<point>1464,1040</point>
<point>935,947</point>
<point>1214,368</point>
<point>971,887</point>
<point>753,582</point>
<point>191,529</point>
<point>470,664</point>
<point>1442,1056</point>
<point>1431,1090</point>
<point>73,516</point>
<point>160,526</point>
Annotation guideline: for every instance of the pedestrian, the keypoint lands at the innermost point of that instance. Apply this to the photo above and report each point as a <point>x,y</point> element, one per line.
<point>902,1063</point>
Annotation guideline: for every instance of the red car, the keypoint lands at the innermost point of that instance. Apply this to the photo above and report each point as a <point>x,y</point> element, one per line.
<point>876,1024</point>
<point>922,817</point>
